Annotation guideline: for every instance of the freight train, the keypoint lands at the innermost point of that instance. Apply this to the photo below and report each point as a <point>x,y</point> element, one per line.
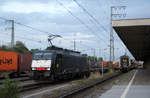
<point>14,64</point>
<point>98,65</point>
<point>56,64</point>
<point>67,62</point>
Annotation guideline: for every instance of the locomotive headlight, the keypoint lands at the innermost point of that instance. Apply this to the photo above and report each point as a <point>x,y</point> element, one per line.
<point>33,68</point>
<point>48,68</point>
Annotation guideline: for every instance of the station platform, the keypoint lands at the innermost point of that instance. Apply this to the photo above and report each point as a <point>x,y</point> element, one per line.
<point>136,84</point>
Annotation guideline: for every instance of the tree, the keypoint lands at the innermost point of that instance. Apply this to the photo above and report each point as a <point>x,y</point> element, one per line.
<point>3,47</point>
<point>32,50</point>
<point>19,47</point>
<point>100,58</point>
<point>84,55</point>
<point>92,58</point>
<point>48,48</point>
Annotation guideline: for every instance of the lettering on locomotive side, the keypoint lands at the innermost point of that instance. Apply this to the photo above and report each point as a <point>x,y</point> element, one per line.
<point>5,61</point>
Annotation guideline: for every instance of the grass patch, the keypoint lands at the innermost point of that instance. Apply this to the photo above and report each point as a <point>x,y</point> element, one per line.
<point>9,89</point>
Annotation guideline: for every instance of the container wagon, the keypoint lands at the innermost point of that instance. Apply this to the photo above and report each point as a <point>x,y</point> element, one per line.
<point>96,66</point>
<point>115,65</point>
<point>106,65</point>
<point>13,64</point>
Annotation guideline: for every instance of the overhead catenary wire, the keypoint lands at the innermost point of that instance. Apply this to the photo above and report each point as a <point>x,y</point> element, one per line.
<point>27,39</point>
<point>120,42</point>
<point>79,20</point>
<point>36,30</point>
<point>91,19</point>
<point>91,16</point>
<point>48,32</point>
<point>28,26</point>
<point>33,28</point>
<point>86,11</point>
<point>100,6</point>
<point>72,41</point>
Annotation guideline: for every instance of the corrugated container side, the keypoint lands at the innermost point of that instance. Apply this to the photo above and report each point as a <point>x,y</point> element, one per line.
<point>25,62</point>
<point>8,61</point>
<point>99,64</point>
<point>95,64</point>
<point>115,65</point>
<point>92,64</point>
<point>105,64</point>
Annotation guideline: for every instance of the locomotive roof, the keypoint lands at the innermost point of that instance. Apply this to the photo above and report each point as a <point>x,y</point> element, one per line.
<point>124,56</point>
<point>59,48</point>
<point>61,52</point>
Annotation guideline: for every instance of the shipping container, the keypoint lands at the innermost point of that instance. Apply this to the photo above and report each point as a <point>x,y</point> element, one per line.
<point>14,64</point>
<point>115,65</point>
<point>8,62</point>
<point>105,64</point>
<point>99,64</point>
<point>95,64</point>
<point>92,64</point>
<point>25,63</point>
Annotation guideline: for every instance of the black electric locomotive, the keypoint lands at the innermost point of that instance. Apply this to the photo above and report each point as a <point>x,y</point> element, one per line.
<point>59,64</point>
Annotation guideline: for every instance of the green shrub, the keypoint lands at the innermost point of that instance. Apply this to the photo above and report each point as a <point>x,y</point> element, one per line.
<point>9,89</point>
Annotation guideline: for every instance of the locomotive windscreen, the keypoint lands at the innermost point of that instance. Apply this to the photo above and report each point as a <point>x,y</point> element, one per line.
<point>124,61</point>
<point>42,56</point>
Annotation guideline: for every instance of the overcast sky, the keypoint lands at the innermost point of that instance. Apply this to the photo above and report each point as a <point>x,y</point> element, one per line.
<point>50,16</point>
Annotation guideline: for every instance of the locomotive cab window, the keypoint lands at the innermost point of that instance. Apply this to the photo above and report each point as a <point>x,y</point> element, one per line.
<point>42,56</point>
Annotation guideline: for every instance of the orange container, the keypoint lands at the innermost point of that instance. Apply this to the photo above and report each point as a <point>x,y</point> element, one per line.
<point>8,61</point>
<point>115,65</point>
<point>105,64</point>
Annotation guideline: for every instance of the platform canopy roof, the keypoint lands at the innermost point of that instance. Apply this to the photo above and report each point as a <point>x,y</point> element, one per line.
<point>135,34</point>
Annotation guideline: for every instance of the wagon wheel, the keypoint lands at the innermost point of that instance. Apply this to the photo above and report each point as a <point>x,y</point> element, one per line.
<point>87,74</point>
<point>14,75</point>
<point>53,78</point>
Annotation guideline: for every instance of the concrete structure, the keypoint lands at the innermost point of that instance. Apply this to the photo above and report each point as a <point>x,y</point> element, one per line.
<point>135,34</point>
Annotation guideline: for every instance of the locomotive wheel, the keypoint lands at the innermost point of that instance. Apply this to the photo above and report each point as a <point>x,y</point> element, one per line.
<point>35,76</point>
<point>87,74</point>
<point>81,75</point>
<point>72,76</point>
<point>52,78</point>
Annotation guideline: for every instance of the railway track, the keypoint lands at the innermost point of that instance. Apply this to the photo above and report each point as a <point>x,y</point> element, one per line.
<point>22,79</point>
<point>34,85</point>
<point>31,84</point>
<point>83,88</point>
<point>67,93</point>
<point>27,84</point>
